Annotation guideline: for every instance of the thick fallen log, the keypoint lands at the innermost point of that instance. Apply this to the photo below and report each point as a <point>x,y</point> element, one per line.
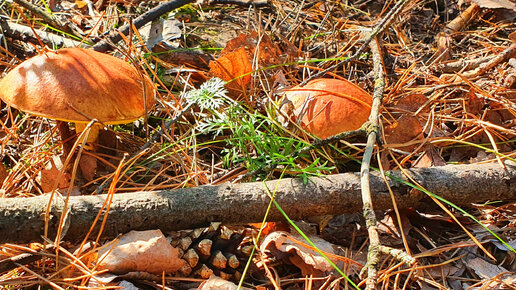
<point>22,219</point>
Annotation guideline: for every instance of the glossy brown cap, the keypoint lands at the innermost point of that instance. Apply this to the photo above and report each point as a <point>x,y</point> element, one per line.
<point>77,85</point>
<point>326,107</point>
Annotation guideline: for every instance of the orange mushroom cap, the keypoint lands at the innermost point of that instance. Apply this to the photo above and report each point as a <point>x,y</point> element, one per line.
<point>77,85</point>
<point>326,107</point>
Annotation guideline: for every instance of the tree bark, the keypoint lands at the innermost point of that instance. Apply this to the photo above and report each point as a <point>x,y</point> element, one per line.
<point>22,219</point>
<point>25,33</point>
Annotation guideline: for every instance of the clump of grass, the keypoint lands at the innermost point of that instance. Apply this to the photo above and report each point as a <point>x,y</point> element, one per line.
<point>252,140</point>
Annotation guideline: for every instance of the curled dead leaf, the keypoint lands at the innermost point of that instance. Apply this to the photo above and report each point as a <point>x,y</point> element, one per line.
<point>145,251</point>
<point>235,68</point>
<point>496,4</point>
<point>404,133</point>
<point>325,107</point>
<point>301,254</point>
<point>48,176</point>
<point>235,61</point>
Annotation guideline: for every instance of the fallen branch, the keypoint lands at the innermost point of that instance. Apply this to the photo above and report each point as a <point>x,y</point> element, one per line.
<point>22,219</point>
<point>248,3</point>
<point>115,36</point>
<point>48,18</point>
<point>25,33</point>
<point>501,57</point>
<point>377,30</point>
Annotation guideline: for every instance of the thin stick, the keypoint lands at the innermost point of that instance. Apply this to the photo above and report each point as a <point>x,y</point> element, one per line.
<point>379,28</point>
<point>28,34</point>
<point>48,18</point>
<point>139,22</point>
<point>23,259</point>
<point>369,215</point>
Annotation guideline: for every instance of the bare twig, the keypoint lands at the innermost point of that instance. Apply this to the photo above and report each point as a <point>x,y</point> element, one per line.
<point>23,259</point>
<point>25,33</point>
<point>139,22</point>
<point>369,215</point>
<point>48,18</point>
<point>379,28</point>
<point>459,22</point>
<point>504,56</point>
<point>443,39</point>
<point>463,64</point>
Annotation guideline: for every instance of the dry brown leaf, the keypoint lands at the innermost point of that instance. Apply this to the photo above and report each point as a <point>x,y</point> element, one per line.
<point>47,177</point>
<point>217,283</point>
<point>512,36</point>
<point>411,103</point>
<point>389,225</point>
<point>233,66</point>
<point>496,4</point>
<point>484,269</point>
<point>309,261</point>
<point>389,229</point>
<point>474,104</point>
<point>407,128</point>
<point>429,158</point>
<point>189,59</point>
<point>145,251</point>
<point>444,270</point>
<point>267,52</point>
<point>88,165</point>
<point>3,174</point>
<point>236,58</point>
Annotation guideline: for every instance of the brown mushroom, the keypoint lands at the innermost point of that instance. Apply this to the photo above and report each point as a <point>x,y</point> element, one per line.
<point>326,107</point>
<point>78,85</point>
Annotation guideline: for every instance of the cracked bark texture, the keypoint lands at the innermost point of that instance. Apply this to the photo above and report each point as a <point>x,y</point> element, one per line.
<point>22,219</point>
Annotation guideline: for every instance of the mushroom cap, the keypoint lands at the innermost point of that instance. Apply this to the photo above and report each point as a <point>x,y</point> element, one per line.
<point>77,85</point>
<point>326,107</point>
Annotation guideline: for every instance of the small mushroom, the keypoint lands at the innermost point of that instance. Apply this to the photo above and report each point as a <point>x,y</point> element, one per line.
<point>78,85</point>
<point>326,107</point>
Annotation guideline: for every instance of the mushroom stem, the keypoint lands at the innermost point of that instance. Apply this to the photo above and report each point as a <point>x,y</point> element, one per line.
<point>88,162</point>
<point>92,136</point>
<point>66,136</point>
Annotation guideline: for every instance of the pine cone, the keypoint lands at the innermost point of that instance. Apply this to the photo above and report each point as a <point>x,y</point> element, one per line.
<point>213,250</point>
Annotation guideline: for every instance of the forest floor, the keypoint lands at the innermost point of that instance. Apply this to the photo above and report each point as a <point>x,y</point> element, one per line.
<point>434,82</point>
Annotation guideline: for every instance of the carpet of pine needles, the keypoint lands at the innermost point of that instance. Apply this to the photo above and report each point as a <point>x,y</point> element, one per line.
<point>440,101</point>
